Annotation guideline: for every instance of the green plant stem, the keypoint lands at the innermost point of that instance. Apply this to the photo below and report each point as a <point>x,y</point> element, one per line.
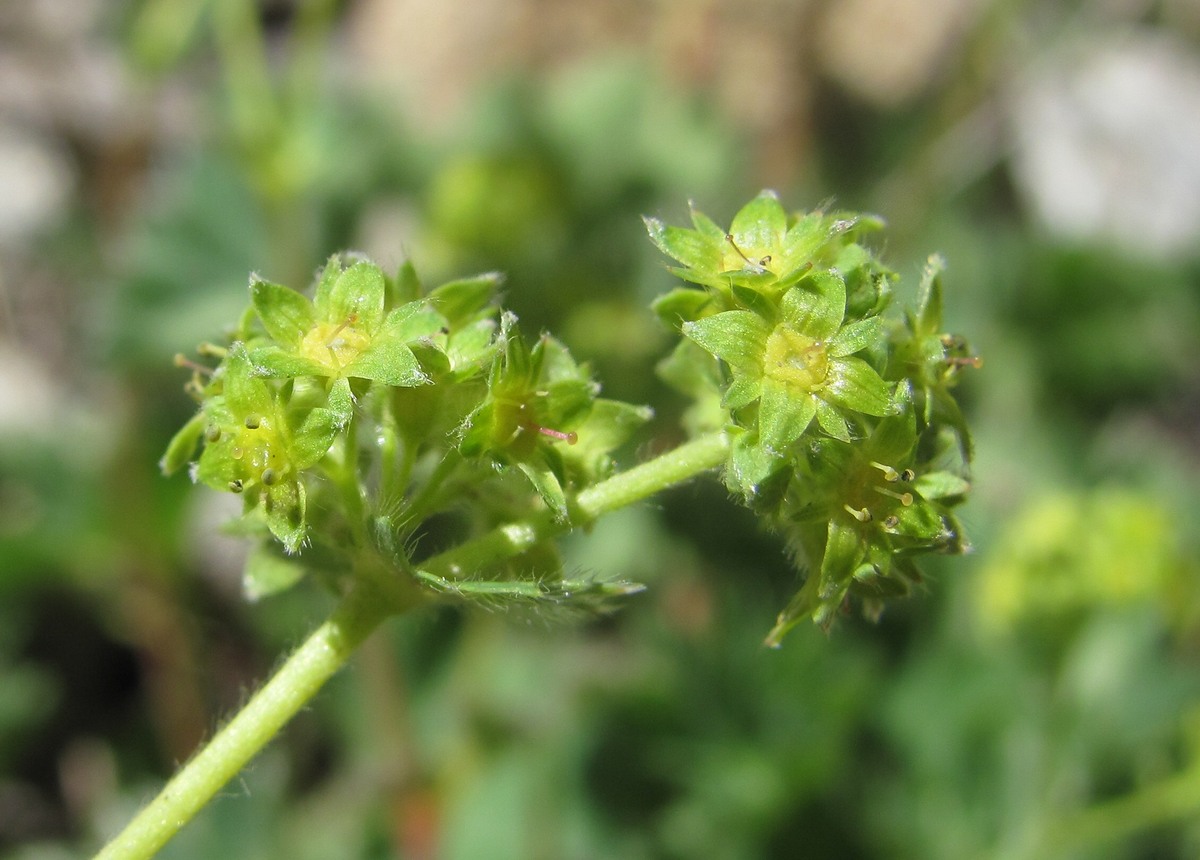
<point>623,489</point>
<point>314,663</point>
<point>372,601</point>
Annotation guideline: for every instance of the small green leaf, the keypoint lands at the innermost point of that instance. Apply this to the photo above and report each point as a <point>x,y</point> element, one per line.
<point>751,465</point>
<point>856,385</point>
<point>844,551</point>
<point>183,444</point>
<point>285,313</point>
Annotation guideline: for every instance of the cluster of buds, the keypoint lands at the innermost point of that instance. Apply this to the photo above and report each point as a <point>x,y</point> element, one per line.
<point>846,437</point>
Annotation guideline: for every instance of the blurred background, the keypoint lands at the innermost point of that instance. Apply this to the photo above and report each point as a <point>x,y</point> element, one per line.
<point>1041,699</point>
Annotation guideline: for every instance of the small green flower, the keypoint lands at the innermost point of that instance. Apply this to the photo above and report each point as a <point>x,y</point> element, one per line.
<point>799,366</point>
<point>542,415</point>
<point>344,332</point>
<point>764,248</point>
<point>257,442</point>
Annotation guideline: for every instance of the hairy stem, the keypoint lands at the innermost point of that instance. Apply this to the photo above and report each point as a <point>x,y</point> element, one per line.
<point>621,490</point>
<point>314,663</point>
<point>376,597</point>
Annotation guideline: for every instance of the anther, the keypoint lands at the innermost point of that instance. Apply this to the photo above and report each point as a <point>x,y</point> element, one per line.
<point>269,476</point>
<point>862,515</point>
<point>212,434</point>
<point>253,422</point>
<point>891,522</point>
<point>970,361</point>
<point>907,475</point>
<point>905,499</point>
<point>235,486</point>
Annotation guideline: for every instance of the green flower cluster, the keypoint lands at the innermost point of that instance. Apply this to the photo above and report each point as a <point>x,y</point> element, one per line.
<point>347,421</point>
<point>845,435</point>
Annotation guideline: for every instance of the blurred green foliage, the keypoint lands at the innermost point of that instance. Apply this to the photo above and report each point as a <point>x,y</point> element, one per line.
<point>1035,692</point>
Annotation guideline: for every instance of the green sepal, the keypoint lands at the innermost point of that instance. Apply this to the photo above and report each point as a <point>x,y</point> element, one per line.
<point>405,287</point>
<point>390,363</point>
<point>941,485</point>
<point>750,467</point>
<point>736,337</point>
<point>284,507</point>
<point>783,415</point>
<point>472,348</point>
<point>244,389</point>
<point>285,314</point>
<point>462,300</point>
<point>183,444</point>
<point>547,485</point>
<point>856,336</point>
<point>742,391</point>
<point>831,421</point>
<point>929,295</point>
<point>273,362</point>
<point>267,573</point>
<point>844,551</point>
<point>680,305</point>
<point>697,252</point>
<point>760,225</point>
<point>358,293</point>
<point>755,302</point>
<point>312,439</point>
<point>816,306</point>
<point>856,385</point>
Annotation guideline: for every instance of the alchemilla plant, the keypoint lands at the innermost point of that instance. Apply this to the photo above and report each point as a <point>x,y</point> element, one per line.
<point>346,421</point>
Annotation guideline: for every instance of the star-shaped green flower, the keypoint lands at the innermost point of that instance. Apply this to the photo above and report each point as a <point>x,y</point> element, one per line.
<point>799,365</point>
<point>257,443</point>
<point>344,332</point>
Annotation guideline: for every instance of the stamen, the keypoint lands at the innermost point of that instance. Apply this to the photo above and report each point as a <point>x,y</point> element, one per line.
<point>970,361</point>
<point>891,522</point>
<point>759,266</point>
<point>908,475</point>
<point>182,360</point>
<point>862,515</point>
<point>889,474</point>
<point>269,476</point>
<point>905,499</point>
<point>211,350</point>
<point>235,486</point>
<point>212,434</point>
<point>253,422</point>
